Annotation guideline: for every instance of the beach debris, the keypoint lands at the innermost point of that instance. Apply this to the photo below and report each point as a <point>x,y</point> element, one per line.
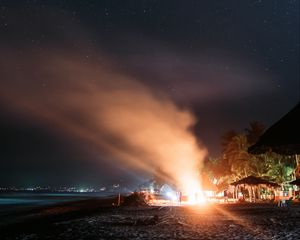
<point>136,199</point>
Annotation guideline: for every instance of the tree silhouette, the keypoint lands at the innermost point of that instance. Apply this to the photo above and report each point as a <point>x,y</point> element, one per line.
<point>226,138</point>
<point>254,131</point>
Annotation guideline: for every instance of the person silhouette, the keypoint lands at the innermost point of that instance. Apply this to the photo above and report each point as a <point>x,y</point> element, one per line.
<point>225,196</point>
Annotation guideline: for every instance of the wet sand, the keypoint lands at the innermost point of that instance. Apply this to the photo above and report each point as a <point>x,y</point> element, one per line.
<point>98,219</point>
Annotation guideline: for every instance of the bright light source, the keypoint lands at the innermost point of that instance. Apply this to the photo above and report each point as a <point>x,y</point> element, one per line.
<point>194,193</point>
<point>197,197</point>
<point>171,195</point>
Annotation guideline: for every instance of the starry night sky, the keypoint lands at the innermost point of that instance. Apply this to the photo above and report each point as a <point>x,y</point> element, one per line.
<point>229,62</point>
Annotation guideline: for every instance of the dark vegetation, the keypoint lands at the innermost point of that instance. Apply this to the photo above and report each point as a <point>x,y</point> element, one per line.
<point>236,162</point>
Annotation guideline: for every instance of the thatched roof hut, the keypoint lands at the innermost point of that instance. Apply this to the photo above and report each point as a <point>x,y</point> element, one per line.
<point>296,182</point>
<point>283,137</point>
<point>251,180</point>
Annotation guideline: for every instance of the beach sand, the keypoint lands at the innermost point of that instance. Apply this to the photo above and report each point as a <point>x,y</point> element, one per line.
<point>98,219</point>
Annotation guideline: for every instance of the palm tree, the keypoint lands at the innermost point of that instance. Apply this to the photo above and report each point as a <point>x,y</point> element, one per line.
<point>238,157</point>
<point>226,138</point>
<point>281,168</point>
<point>237,163</point>
<point>216,167</point>
<point>254,131</point>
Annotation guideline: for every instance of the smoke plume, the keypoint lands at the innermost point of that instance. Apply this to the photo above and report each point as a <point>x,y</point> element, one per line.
<point>115,114</point>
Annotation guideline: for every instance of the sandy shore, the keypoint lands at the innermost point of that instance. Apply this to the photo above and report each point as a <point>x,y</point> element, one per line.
<point>97,219</point>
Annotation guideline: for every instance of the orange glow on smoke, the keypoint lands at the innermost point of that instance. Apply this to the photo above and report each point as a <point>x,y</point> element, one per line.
<point>111,113</point>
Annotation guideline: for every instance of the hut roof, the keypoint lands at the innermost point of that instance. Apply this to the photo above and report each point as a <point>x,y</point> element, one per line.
<point>296,182</point>
<point>283,137</point>
<point>251,180</point>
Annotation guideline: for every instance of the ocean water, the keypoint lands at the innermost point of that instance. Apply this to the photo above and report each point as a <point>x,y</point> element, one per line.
<point>25,198</point>
<point>15,201</point>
